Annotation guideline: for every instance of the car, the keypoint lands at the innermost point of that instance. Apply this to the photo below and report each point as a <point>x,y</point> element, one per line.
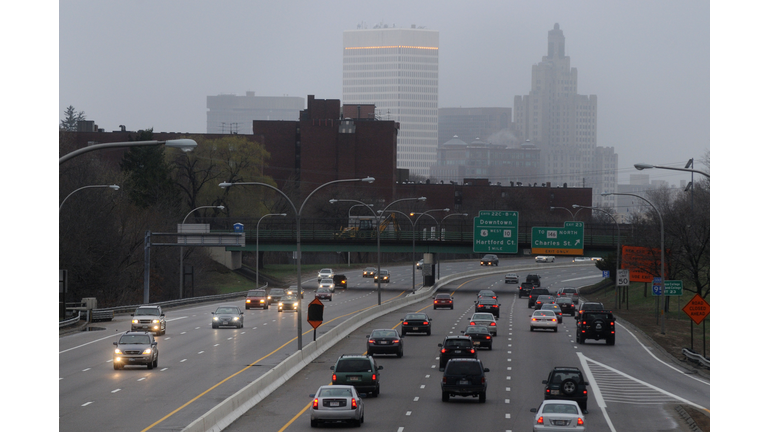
<point>324,294</point>
<point>488,305</point>
<point>545,259</point>
<point>149,318</point>
<point>456,347</point>
<point>535,279</point>
<point>554,307</point>
<point>325,273</point>
<point>464,377</point>
<point>335,404</point>
<point>568,292</point>
<point>558,415</point>
<point>543,299</point>
<point>489,260</point>
<point>587,306</point>
<point>442,301</point>
<point>544,319</point>
<point>360,371</point>
<point>420,264</point>
<point>275,294</point>
<point>135,348</point>
<point>582,259</point>
<point>385,341</point>
<point>481,336</point>
<point>534,294</point>
<point>566,305</point>
<point>327,283</point>
<point>340,281</point>
<point>225,316</point>
<point>416,322</point>
<point>486,319</point>
<point>524,290</point>
<point>566,383</point>
<point>596,324</point>
<point>512,278</point>
<point>369,272</point>
<point>384,276</point>
<point>596,259</point>
<point>288,303</point>
<point>256,298</point>
<point>293,290</point>
<point>486,294</point>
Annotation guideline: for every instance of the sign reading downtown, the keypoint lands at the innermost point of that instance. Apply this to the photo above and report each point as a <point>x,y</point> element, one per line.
<point>495,232</point>
<point>568,240</point>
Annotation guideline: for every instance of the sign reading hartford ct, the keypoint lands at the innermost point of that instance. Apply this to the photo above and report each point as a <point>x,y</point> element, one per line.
<point>568,240</point>
<point>495,232</point>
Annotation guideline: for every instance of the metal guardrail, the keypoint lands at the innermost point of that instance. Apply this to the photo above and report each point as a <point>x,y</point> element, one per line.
<point>696,357</point>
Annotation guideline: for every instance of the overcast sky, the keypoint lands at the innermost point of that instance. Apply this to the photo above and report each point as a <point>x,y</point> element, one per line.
<point>152,63</point>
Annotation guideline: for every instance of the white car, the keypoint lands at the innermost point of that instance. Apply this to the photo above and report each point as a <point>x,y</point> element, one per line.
<point>582,259</point>
<point>327,283</point>
<point>544,319</point>
<point>484,319</point>
<point>545,259</point>
<point>325,273</point>
<point>512,278</point>
<point>558,415</point>
<point>337,403</point>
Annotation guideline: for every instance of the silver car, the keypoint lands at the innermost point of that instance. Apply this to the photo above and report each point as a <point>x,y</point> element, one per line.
<point>484,319</point>
<point>337,403</point>
<point>135,348</point>
<point>544,319</point>
<point>227,316</point>
<point>327,283</point>
<point>148,318</point>
<point>512,278</point>
<point>325,273</point>
<point>558,415</point>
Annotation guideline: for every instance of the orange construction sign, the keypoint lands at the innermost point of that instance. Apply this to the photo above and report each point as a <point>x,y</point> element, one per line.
<point>315,313</point>
<point>697,309</point>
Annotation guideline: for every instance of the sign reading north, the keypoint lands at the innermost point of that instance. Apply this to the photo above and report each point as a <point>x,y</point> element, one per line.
<point>568,240</point>
<point>495,232</point>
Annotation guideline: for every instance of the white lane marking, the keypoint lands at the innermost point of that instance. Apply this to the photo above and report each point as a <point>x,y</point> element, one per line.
<point>408,413</point>
<point>86,369</point>
<point>422,386</point>
<point>183,360</point>
<point>141,379</point>
<point>506,401</point>
<point>163,369</point>
<point>115,390</point>
<point>86,404</point>
<point>201,352</point>
<point>416,399</point>
<point>426,376</point>
<point>88,343</point>
<point>507,416</point>
<point>400,429</point>
<point>580,278</point>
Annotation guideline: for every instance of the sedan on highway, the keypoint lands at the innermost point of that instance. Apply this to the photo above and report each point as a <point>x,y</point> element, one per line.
<point>325,273</point>
<point>484,319</point>
<point>225,316</point>
<point>490,305</point>
<point>384,274</point>
<point>135,348</point>
<point>327,283</point>
<point>542,300</point>
<point>324,294</point>
<point>275,294</point>
<point>544,319</point>
<point>288,303</point>
<point>545,259</point>
<point>558,415</point>
<point>554,308</point>
<point>512,278</point>
<point>385,341</point>
<point>566,305</point>
<point>443,301</point>
<point>481,336</point>
<point>337,404</point>
<point>417,322</point>
<point>369,272</point>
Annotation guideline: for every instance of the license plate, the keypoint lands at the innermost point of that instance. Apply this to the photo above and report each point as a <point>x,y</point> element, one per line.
<point>463,382</point>
<point>555,392</point>
<point>354,378</point>
<point>383,342</point>
<point>458,351</point>
<point>225,322</point>
<point>476,343</point>
<point>560,422</point>
<point>334,404</point>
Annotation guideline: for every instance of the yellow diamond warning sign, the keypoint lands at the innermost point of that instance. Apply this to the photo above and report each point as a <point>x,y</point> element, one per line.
<point>697,309</point>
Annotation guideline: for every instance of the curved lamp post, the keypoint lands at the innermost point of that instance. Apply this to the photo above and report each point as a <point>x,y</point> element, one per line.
<point>413,247</point>
<point>298,226</point>
<point>642,166</point>
<point>113,187</point>
<point>440,234</point>
<point>618,247</point>
<point>181,250</point>
<point>661,222</point>
<point>183,144</point>
<point>427,212</point>
<point>258,260</point>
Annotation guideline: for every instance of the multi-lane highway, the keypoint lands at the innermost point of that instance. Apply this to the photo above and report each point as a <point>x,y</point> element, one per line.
<point>632,388</point>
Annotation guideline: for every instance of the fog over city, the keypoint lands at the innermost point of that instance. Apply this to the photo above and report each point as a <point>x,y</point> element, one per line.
<point>149,64</point>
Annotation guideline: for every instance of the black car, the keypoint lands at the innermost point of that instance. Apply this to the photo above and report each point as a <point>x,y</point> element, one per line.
<point>486,293</point>
<point>385,341</point>
<point>360,371</point>
<point>567,383</point>
<point>481,336</point>
<point>524,290</point>
<point>135,348</point>
<point>456,347</point>
<point>534,279</point>
<point>464,377</point>
<point>275,294</point>
<point>534,294</point>
<point>554,308</point>
<point>543,299</point>
<point>587,306</point>
<point>225,316</point>
<point>488,305</point>
<point>489,260</point>
<point>340,281</point>
<point>417,322</point>
<point>596,324</point>
<point>566,305</point>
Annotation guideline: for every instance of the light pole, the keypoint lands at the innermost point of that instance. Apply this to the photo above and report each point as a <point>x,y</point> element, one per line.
<point>181,249</point>
<point>349,217</point>
<point>413,247</point>
<point>618,248</point>
<point>661,222</point>
<point>184,144</point>
<point>298,227</point>
<point>427,212</point>
<point>573,217</point>
<point>440,234</point>
<point>378,234</point>
<point>642,166</point>
<point>258,260</point>
<point>113,187</point>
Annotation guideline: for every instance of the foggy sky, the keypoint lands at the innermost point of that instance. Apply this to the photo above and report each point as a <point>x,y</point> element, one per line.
<point>151,64</point>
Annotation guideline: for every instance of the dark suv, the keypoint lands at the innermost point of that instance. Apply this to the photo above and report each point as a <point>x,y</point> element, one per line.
<point>464,377</point>
<point>596,324</point>
<point>587,306</point>
<point>340,281</point>
<point>360,371</point>
<point>534,294</point>
<point>567,383</point>
<point>456,347</point>
<point>534,279</point>
<point>525,289</point>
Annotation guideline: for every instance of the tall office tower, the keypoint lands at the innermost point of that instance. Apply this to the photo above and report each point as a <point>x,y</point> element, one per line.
<point>564,125</point>
<point>396,69</point>
<point>230,114</point>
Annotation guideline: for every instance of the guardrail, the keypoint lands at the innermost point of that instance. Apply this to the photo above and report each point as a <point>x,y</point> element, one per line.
<point>70,321</point>
<point>696,357</point>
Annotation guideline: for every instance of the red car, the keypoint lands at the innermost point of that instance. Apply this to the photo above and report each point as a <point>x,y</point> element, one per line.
<point>443,301</point>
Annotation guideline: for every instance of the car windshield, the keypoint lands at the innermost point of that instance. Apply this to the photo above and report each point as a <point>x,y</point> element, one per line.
<point>135,339</point>
<point>560,376</point>
<point>476,330</point>
<point>559,408</point>
<point>354,365</point>
<point>482,317</point>
<point>415,317</point>
<point>443,296</point>
<point>326,271</point>
<point>548,313</point>
<point>602,316</point>
<point>326,281</point>
<point>276,292</point>
<point>384,334</point>
<point>289,298</point>
<point>147,311</point>
<point>457,343</point>
<point>463,368</point>
<point>384,272</point>
<point>323,290</point>
<point>226,310</point>
<point>335,392</point>
<point>259,293</point>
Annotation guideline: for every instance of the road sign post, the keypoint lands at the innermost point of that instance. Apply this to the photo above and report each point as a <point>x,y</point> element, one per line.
<point>495,232</point>
<point>568,240</point>
<point>315,315</point>
<point>622,278</point>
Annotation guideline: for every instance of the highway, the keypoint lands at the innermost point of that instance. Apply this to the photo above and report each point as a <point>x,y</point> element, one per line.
<point>199,367</point>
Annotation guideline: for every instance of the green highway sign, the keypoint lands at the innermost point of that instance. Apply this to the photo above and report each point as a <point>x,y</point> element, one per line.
<point>568,240</point>
<point>673,287</point>
<point>495,232</point>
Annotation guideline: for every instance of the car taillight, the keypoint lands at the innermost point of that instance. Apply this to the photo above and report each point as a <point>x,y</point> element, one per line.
<point>540,420</point>
<point>472,351</point>
<point>374,377</point>
<point>396,341</point>
<point>471,323</point>
<point>547,391</point>
<point>580,422</point>
<point>334,378</point>
<point>493,324</point>
<point>487,337</point>
<point>495,306</point>
<point>442,350</point>
<point>405,322</point>
<point>445,380</point>
<point>482,380</point>
<point>426,322</point>
<point>371,341</point>
<point>354,404</point>
<point>314,404</point>
<point>435,301</point>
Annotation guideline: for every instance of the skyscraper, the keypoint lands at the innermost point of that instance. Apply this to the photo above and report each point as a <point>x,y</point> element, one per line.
<point>563,123</point>
<point>397,70</point>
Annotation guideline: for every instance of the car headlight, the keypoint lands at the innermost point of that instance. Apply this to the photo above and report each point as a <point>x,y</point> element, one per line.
<point>296,305</point>
<point>155,321</point>
<point>247,301</point>
<point>134,321</point>
<point>147,351</point>
<point>117,351</point>
<point>215,318</point>
<point>235,318</point>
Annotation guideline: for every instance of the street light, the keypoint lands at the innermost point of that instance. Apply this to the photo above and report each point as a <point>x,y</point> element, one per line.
<point>298,226</point>
<point>113,187</point>
<point>413,247</point>
<point>440,234</point>
<point>573,217</point>
<point>661,222</point>
<point>378,233</point>
<point>618,247</point>
<point>642,166</point>
<point>184,144</point>
<point>181,249</point>
<point>349,217</point>
<point>258,260</point>
<point>436,223</point>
